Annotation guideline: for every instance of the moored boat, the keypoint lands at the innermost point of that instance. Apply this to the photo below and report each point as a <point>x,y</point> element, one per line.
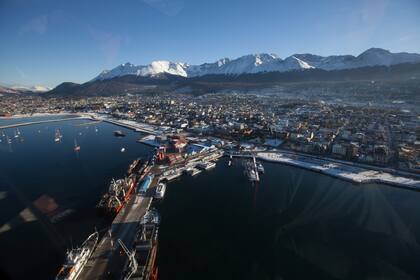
<point>77,258</point>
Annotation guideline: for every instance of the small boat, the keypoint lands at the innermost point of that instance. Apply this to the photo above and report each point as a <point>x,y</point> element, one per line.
<point>9,140</point>
<point>119,133</point>
<point>160,190</point>
<point>17,133</point>
<point>96,129</point>
<point>122,150</point>
<point>260,168</point>
<point>206,165</point>
<point>76,146</point>
<point>58,136</point>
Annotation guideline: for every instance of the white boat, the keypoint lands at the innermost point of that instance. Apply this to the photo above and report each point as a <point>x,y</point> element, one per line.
<point>17,133</point>
<point>206,165</point>
<point>122,150</point>
<point>160,190</point>
<point>77,258</point>
<point>260,168</point>
<point>58,136</point>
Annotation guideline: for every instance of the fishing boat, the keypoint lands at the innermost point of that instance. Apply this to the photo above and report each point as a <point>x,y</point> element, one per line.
<point>77,258</point>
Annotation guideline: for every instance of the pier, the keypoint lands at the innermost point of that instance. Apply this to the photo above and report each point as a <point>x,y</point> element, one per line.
<point>108,259</point>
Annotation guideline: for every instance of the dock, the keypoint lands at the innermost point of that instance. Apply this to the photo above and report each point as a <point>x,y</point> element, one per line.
<point>108,259</point>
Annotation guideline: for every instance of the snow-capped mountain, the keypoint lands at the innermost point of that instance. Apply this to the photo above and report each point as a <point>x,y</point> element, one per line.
<point>257,63</point>
<point>156,67</point>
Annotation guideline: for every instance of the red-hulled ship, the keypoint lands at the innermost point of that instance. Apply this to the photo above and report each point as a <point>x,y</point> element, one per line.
<point>118,194</point>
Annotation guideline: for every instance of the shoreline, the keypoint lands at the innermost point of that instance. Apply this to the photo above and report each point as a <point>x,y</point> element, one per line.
<point>348,171</point>
<point>342,171</point>
<point>19,116</point>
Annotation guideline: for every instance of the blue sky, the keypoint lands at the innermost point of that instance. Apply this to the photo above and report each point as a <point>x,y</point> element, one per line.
<point>46,42</point>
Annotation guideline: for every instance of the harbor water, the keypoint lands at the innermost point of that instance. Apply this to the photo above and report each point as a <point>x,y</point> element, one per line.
<point>296,224</point>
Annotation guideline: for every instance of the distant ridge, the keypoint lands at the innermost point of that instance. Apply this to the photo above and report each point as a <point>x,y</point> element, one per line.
<point>406,73</point>
<point>258,63</point>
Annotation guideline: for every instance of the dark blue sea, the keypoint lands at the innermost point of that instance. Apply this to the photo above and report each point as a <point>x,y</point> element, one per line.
<point>296,224</point>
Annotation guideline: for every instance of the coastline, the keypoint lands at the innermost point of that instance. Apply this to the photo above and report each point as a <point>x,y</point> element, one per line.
<point>347,171</point>
<point>340,170</point>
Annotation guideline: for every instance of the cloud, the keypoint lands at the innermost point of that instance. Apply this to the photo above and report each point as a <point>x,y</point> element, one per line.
<point>107,42</point>
<point>37,25</point>
<point>167,7</point>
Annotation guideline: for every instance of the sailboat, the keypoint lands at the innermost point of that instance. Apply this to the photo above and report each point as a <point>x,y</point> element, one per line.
<point>58,135</point>
<point>76,146</point>
<point>17,133</point>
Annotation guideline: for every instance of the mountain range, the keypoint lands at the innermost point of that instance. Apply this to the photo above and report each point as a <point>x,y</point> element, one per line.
<point>255,71</point>
<point>258,63</point>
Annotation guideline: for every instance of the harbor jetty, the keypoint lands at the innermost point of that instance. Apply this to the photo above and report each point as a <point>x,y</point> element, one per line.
<point>115,255</point>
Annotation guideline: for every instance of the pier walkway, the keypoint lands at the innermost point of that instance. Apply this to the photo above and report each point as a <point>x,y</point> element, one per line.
<point>107,261</point>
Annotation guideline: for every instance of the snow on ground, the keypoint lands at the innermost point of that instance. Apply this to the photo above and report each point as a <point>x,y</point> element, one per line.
<point>343,171</point>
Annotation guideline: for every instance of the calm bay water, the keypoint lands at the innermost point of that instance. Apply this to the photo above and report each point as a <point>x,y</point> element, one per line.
<point>296,225</point>
<point>39,175</point>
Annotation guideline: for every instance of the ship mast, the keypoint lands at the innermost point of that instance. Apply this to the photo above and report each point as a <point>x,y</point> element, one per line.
<point>132,263</point>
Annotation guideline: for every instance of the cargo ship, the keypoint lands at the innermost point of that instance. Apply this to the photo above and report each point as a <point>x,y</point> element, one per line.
<point>77,258</point>
<point>116,197</point>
